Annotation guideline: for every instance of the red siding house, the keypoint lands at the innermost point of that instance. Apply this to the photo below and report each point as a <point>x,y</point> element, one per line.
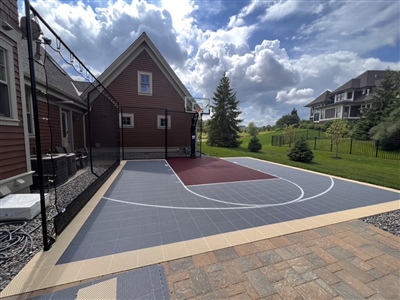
<point>60,108</point>
<point>15,170</point>
<point>145,86</point>
<point>140,80</point>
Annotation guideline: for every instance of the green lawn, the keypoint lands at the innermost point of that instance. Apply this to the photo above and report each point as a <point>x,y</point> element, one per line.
<point>384,172</point>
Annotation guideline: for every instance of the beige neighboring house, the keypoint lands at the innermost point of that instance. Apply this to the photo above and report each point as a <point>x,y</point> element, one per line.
<point>347,101</point>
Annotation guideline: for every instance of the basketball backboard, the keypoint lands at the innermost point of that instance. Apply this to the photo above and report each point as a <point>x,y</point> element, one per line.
<point>199,105</point>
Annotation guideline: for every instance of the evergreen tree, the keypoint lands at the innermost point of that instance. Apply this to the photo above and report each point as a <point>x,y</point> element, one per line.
<point>301,152</point>
<point>224,123</point>
<point>254,144</point>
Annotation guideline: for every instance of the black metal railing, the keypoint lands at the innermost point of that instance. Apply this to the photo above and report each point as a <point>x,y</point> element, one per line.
<point>317,141</point>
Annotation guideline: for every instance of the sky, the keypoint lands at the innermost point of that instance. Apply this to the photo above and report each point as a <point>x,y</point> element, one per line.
<point>279,55</point>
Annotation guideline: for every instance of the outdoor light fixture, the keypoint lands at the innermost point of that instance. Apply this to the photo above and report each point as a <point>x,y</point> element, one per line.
<point>46,40</point>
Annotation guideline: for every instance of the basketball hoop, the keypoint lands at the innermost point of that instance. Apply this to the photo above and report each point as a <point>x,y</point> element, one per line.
<point>197,105</point>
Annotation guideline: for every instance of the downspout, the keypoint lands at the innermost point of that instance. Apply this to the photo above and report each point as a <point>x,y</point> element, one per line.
<point>84,129</point>
<point>89,134</point>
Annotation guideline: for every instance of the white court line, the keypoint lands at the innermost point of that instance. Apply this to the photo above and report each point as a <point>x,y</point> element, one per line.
<point>241,205</point>
<point>227,202</point>
<point>201,196</point>
<point>222,208</point>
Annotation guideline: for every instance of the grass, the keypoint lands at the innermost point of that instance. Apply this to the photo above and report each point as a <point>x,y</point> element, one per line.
<point>379,171</point>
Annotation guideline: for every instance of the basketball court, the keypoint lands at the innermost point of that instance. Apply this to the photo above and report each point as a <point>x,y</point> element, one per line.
<point>153,203</point>
<point>157,210</point>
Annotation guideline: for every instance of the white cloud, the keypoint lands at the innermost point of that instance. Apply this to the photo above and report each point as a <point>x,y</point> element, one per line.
<point>100,35</point>
<point>281,9</point>
<point>238,20</point>
<point>357,26</point>
<point>295,96</point>
<point>269,82</point>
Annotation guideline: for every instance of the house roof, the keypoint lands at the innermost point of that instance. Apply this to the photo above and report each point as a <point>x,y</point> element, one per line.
<point>81,86</point>
<point>320,99</point>
<point>366,79</point>
<point>142,43</point>
<point>58,81</point>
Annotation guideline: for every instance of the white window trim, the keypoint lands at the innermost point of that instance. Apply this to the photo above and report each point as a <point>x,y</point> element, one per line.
<point>13,119</point>
<point>131,116</point>
<point>338,112</point>
<point>139,83</point>
<point>28,99</point>
<point>159,118</point>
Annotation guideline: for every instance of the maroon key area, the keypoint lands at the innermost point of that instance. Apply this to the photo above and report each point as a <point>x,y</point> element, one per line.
<point>206,170</point>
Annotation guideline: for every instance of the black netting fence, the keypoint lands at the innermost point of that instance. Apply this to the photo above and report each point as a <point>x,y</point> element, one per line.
<point>98,159</point>
<point>148,133</point>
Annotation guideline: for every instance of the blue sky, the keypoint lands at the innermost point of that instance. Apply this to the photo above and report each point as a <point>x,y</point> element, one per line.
<point>278,54</point>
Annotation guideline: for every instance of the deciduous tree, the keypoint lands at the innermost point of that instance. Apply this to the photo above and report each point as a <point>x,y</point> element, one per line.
<point>252,129</point>
<point>287,120</point>
<point>337,132</point>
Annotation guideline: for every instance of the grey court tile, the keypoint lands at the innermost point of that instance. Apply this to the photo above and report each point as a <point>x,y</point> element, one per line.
<point>173,236</point>
<point>146,241</point>
<point>74,253</point>
<point>208,229</point>
<point>190,233</point>
<point>101,249</point>
<point>216,208</point>
<point>144,283</point>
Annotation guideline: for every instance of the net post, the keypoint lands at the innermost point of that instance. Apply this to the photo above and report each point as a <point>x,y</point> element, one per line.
<point>201,132</point>
<point>193,135</point>
<point>166,133</point>
<point>122,133</point>
<point>46,244</point>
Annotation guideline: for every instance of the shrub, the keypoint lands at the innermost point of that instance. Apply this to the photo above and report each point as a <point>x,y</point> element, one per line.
<point>301,152</point>
<point>254,144</point>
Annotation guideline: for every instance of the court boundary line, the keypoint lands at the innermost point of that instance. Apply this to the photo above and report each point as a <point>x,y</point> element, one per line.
<point>319,173</point>
<point>238,205</point>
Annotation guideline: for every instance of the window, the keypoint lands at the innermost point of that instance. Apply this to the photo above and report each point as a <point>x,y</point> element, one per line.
<point>338,112</point>
<point>4,96</point>
<point>29,113</point>
<point>366,106</point>
<point>145,83</point>
<point>349,95</point>
<point>339,97</point>
<point>8,98</point>
<point>162,122</point>
<point>126,120</point>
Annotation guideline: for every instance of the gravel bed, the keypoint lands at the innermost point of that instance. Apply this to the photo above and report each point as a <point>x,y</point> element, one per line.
<point>30,235</point>
<point>389,222</point>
